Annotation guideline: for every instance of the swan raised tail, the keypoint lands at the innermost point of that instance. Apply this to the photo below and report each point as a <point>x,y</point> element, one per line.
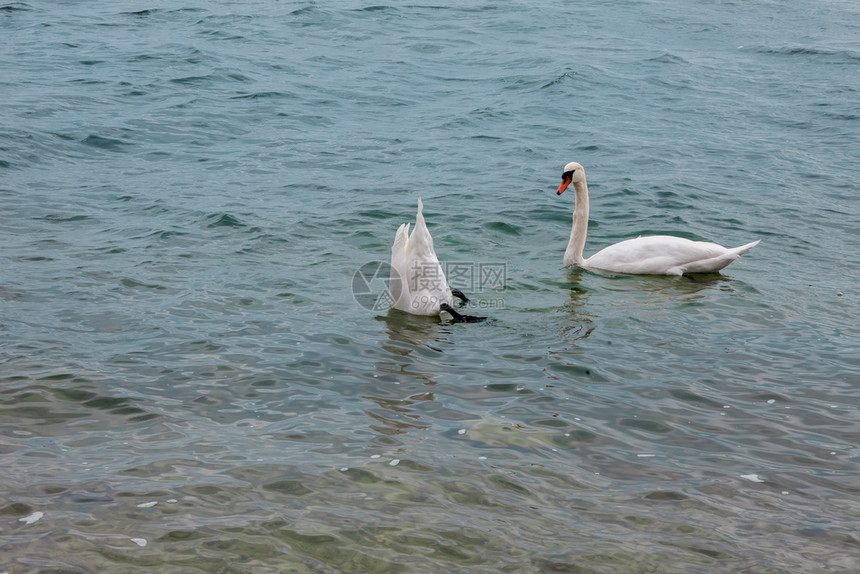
<point>417,283</point>
<point>652,255</point>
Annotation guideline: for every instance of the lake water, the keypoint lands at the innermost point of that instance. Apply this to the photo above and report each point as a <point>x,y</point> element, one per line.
<point>190,382</point>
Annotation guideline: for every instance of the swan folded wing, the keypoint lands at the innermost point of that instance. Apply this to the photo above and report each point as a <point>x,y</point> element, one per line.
<point>397,280</point>
<point>398,250</point>
<point>658,255</point>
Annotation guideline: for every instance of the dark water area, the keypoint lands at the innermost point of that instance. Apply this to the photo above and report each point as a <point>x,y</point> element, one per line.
<point>191,382</point>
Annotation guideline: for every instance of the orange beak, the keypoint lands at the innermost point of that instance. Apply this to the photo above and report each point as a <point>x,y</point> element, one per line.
<point>564,183</point>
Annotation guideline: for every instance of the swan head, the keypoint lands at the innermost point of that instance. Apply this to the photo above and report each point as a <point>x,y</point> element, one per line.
<point>572,173</point>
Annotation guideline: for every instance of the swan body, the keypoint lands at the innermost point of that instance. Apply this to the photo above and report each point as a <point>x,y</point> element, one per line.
<point>417,283</point>
<point>653,255</point>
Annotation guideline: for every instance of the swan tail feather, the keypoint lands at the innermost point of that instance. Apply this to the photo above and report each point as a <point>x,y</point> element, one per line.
<point>421,242</point>
<point>744,248</point>
<point>400,239</point>
<point>716,263</point>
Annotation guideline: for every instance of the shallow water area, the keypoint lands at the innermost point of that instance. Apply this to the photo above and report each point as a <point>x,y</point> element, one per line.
<point>192,381</point>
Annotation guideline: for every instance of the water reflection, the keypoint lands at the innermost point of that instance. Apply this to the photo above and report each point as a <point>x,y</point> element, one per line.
<point>597,299</point>
<point>397,416</point>
<point>581,321</point>
<point>406,332</point>
<point>666,287</point>
<point>404,374</point>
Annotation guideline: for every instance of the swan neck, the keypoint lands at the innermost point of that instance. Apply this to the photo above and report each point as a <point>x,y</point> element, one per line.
<point>573,254</point>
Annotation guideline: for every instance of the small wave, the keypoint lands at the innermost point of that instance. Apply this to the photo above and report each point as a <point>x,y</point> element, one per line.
<point>134,284</point>
<point>842,117</point>
<point>506,228</point>
<point>377,213</point>
<point>109,144</point>
<point>303,10</point>
<point>191,80</point>
<point>666,58</point>
<point>51,404</point>
<point>140,13</point>
<point>809,51</point>
<point>63,218</point>
<point>35,259</point>
<point>145,58</point>
<point>562,78</point>
<point>223,220</point>
<point>166,234</point>
<point>265,96</point>
<point>378,8</point>
<point>16,7</point>
<point>221,35</point>
<point>310,16</point>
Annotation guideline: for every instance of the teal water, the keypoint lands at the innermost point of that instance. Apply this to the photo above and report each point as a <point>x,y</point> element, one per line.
<point>188,382</point>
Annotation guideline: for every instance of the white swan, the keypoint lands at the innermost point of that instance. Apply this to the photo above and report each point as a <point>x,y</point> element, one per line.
<point>417,283</point>
<point>654,255</point>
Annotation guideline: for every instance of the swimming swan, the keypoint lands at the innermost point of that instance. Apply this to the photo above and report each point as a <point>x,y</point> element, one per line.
<point>417,283</point>
<point>654,255</point>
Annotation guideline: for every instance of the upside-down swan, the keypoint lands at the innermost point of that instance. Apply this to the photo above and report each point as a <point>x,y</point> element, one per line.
<point>653,255</point>
<point>417,283</point>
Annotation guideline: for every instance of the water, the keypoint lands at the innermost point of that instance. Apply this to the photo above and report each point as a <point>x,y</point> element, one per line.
<point>189,384</point>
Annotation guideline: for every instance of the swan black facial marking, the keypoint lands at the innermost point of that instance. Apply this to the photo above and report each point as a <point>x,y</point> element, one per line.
<point>567,177</point>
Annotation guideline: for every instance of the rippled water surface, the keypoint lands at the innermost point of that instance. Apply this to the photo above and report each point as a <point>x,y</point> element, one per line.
<point>189,384</point>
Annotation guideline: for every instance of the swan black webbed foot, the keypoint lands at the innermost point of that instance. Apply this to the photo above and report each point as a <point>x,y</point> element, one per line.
<point>458,317</point>
<point>459,294</point>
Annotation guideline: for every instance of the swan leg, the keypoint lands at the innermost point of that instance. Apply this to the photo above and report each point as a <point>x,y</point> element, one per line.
<point>459,294</point>
<point>458,317</point>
